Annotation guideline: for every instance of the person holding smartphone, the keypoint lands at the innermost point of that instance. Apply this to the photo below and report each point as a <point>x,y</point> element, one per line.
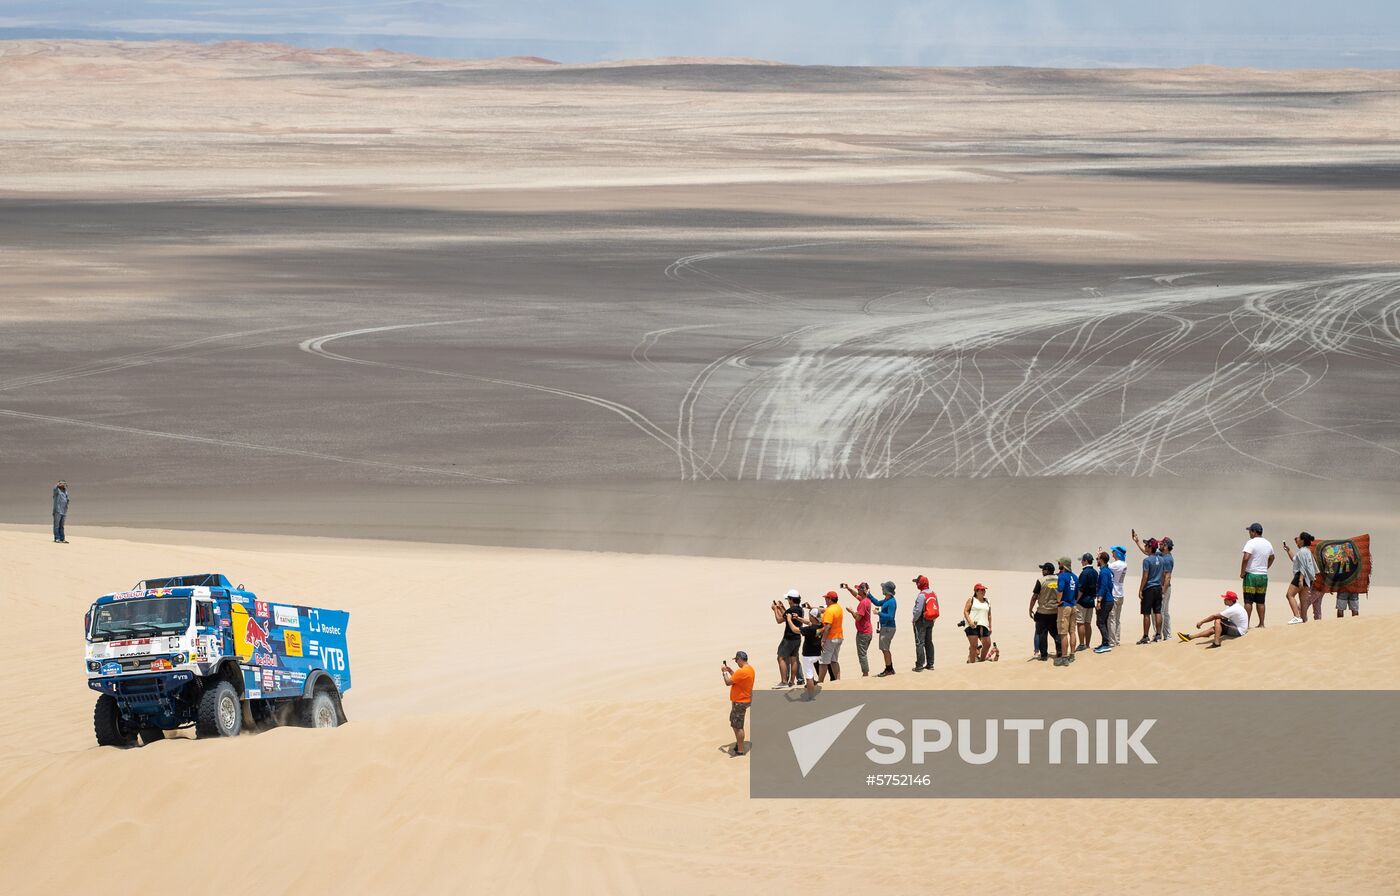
<point>740,683</point>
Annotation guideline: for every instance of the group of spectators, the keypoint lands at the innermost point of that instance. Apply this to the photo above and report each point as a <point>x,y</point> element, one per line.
<point>1065,606</point>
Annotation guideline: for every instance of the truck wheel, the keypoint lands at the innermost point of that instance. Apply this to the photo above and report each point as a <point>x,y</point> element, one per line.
<point>318,711</point>
<point>220,712</point>
<point>151,735</point>
<point>107,724</point>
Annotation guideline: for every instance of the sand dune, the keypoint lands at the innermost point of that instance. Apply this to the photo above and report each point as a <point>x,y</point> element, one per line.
<point>532,720</point>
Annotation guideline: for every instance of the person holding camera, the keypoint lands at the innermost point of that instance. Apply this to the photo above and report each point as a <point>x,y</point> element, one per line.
<point>977,624</point>
<point>740,683</point>
<point>789,674</point>
<point>865,632</point>
<point>888,607</point>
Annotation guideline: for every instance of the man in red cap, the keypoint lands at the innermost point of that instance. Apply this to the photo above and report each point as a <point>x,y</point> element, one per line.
<point>833,634</point>
<point>923,626</point>
<point>1230,622</point>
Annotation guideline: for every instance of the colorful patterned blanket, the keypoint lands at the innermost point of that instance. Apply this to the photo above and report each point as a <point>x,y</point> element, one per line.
<point>1343,564</point>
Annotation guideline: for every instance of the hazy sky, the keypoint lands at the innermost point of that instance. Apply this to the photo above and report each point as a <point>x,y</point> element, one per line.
<point>1274,33</point>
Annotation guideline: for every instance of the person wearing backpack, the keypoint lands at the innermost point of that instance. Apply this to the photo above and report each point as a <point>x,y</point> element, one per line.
<point>925,614</point>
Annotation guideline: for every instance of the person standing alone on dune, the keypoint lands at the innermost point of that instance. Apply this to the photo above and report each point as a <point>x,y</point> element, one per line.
<point>60,511</point>
<point>1257,557</point>
<point>888,606</point>
<point>740,682</point>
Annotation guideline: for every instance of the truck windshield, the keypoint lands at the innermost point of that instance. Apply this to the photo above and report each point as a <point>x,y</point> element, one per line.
<point>140,618</point>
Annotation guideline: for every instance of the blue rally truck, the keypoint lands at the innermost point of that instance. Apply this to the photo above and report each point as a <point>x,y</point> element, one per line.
<point>194,650</point>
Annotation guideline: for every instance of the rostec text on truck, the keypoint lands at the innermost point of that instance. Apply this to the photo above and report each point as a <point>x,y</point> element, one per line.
<point>193,650</point>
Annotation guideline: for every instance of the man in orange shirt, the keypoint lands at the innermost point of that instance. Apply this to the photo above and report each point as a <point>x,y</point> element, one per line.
<point>833,633</point>
<point>740,683</point>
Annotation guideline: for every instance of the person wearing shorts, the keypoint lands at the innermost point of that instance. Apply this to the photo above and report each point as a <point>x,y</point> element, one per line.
<point>1068,584</point>
<point>811,631</point>
<point>888,606</point>
<point>977,624</point>
<point>1154,568</point>
<point>740,684</point>
<point>791,644</point>
<point>833,635</point>
<point>1231,622</point>
<point>1088,590</point>
<point>1348,602</point>
<point>1257,557</point>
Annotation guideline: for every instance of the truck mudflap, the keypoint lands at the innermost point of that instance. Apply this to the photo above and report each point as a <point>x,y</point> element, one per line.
<point>147,697</point>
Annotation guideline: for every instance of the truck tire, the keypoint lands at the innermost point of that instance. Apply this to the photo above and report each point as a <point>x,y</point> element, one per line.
<point>220,712</point>
<point>318,711</point>
<point>151,735</point>
<point>107,724</point>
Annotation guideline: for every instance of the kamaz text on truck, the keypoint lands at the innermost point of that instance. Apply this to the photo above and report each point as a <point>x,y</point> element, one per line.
<point>193,650</point>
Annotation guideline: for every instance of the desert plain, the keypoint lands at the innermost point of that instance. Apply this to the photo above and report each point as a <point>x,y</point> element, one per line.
<point>555,375</point>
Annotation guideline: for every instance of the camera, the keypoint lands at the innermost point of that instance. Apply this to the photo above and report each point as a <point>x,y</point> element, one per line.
<point>962,624</point>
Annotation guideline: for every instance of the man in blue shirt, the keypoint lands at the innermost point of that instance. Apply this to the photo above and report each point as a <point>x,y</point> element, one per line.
<point>1064,620</point>
<point>886,621</point>
<point>1103,604</point>
<point>1088,592</point>
<point>1169,561</point>
<point>1150,592</point>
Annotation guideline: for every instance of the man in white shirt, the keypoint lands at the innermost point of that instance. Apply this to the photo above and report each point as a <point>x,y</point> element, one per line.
<point>1230,622</point>
<point>1118,568</point>
<point>1255,561</point>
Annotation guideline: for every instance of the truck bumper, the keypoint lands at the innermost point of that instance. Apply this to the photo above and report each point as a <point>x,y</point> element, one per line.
<point>152,700</point>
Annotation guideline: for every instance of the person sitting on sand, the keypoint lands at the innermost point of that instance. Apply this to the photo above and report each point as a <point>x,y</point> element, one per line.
<point>888,605</point>
<point>740,683</point>
<point>1230,622</point>
<point>977,622</point>
<point>1301,595</point>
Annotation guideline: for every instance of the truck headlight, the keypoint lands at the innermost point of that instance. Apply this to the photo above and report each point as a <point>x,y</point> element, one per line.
<point>93,665</point>
<point>180,659</point>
